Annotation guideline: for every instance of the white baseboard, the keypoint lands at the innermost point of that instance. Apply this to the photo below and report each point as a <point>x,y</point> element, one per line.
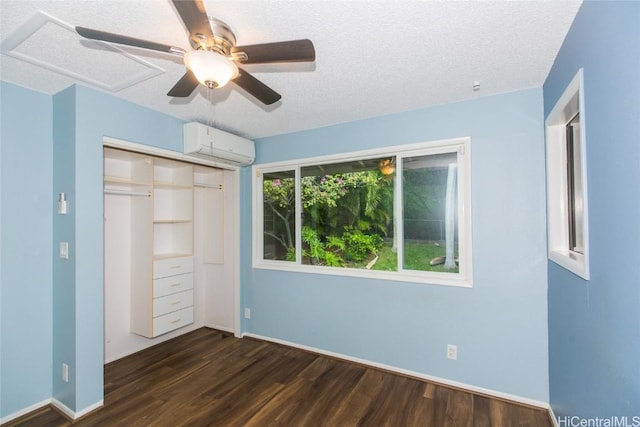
<point>72,415</point>
<point>219,328</point>
<point>554,420</point>
<point>68,412</point>
<point>25,411</point>
<point>456,384</point>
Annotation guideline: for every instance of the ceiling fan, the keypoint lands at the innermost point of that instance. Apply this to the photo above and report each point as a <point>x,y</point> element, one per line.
<point>214,59</point>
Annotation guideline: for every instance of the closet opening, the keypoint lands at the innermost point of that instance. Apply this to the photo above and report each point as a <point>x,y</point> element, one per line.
<point>170,247</point>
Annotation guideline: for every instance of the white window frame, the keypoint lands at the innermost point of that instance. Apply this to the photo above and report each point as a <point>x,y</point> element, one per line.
<point>570,103</point>
<point>461,279</point>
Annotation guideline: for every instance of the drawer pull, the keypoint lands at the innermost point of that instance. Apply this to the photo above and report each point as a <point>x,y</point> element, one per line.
<point>175,321</point>
<point>173,267</point>
<point>175,302</point>
<point>174,285</point>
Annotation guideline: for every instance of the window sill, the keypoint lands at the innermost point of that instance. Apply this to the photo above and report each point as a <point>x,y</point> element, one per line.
<point>440,279</point>
<point>572,261</point>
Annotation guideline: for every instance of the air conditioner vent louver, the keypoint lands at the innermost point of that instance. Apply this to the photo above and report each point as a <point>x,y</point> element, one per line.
<point>214,144</point>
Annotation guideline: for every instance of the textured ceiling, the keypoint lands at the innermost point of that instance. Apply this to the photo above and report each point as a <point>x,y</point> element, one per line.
<point>372,57</point>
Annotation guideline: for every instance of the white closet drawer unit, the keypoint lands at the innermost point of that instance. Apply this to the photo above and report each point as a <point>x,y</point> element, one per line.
<point>173,302</point>
<point>172,266</point>
<point>171,321</point>
<point>172,284</point>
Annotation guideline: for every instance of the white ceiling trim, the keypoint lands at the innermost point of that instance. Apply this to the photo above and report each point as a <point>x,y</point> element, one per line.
<point>39,20</point>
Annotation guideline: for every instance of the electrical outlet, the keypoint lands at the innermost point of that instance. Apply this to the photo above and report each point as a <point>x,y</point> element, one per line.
<point>247,313</point>
<point>65,372</point>
<point>452,352</point>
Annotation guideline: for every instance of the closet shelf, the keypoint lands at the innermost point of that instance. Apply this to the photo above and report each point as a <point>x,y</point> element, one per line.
<point>171,255</point>
<point>119,180</point>
<point>171,185</point>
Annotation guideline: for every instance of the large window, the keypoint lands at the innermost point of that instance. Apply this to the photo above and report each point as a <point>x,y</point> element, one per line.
<point>400,213</point>
<point>567,181</point>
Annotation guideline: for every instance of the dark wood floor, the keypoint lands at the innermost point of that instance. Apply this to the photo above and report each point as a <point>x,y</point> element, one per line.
<point>207,378</point>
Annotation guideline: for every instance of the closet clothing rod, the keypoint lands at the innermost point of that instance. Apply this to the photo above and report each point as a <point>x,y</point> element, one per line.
<point>128,193</point>
<point>202,184</point>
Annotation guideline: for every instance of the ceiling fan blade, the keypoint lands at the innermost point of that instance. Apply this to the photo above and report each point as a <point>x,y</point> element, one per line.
<point>287,51</point>
<point>195,18</point>
<point>129,41</point>
<point>255,87</point>
<point>185,86</point>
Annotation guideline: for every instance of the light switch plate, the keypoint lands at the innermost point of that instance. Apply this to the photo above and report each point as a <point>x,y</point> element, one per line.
<point>64,250</point>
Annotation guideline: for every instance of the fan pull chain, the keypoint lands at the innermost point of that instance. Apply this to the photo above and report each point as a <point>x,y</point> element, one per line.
<point>212,109</point>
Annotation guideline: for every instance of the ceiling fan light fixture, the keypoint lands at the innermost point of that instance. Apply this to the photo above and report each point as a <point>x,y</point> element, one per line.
<point>210,68</point>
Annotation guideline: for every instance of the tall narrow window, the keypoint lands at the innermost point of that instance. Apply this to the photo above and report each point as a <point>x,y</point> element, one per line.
<point>567,216</point>
<point>278,198</point>
<point>430,218</point>
<point>574,186</point>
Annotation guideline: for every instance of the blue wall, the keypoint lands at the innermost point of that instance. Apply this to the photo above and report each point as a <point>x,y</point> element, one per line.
<point>594,326</point>
<point>26,268</point>
<point>99,115</point>
<point>64,300</point>
<point>499,325</point>
<point>52,309</point>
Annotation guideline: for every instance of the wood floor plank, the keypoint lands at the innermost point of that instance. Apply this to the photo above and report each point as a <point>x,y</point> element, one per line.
<point>284,404</point>
<point>210,378</point>
<point>440,401</point>
<point>316,368</point>
<point>232,399</point>
<point>352,409</point>
<point>481,412</point>
<point>498,413</point>
<point>390,405</point>
<point>418,407</point>
<point>329,391</point>
<point>429,391</point>
<point>459,409</point>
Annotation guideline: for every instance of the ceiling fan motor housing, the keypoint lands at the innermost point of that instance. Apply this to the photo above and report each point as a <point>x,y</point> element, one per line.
<point>222,40</point>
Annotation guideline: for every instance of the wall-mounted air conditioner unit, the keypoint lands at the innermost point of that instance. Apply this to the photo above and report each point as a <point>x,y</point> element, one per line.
<point>214,144</point>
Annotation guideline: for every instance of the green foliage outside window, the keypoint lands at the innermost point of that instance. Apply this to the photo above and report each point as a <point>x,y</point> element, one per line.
<point>344,215</point>
<point>347,218</point>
